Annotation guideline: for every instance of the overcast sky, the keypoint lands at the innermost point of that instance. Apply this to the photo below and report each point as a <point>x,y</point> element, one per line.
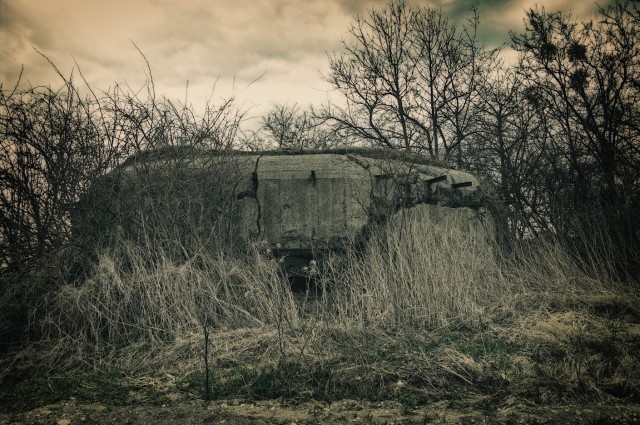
<point>202,40</point>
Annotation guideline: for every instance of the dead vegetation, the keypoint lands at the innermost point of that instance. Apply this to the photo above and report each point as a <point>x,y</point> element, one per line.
<point>422,313</point>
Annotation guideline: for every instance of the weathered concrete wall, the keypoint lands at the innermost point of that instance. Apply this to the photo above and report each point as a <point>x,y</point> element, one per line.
<point>296,203</point>
<point>312,199</point>
<point>325,199</point>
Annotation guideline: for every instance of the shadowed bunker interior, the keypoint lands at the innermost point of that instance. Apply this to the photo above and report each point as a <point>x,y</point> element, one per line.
<point>295,206</point>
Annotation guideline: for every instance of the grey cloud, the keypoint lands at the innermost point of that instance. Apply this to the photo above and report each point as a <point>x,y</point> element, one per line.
<point>15,37</point>
<point>461,10</point>
<point>8,15</point>
<point>199,40</point>
<point>359,7</point>
<point>234,41</point>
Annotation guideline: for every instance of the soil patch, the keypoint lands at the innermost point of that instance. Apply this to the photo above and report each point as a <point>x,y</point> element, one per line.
<point>186,411</point>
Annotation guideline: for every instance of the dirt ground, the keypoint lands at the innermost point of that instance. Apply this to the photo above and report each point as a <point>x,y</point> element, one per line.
<point>73,411</point>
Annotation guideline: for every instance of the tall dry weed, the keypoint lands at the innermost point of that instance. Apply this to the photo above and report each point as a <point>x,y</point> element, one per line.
<point>134,296</point>
<point>428,267</point>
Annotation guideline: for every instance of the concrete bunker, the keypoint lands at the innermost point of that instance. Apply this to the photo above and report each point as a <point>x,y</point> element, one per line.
<point>298,205</point>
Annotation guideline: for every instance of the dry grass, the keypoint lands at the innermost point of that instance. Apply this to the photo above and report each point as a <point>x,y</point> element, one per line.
<point>137,302</point>
<point>420,312</point>
<point>418,275</point>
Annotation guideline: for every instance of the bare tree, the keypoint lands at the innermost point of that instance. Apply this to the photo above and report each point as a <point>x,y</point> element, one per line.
<point>376,74</point>
<point>585,75</point>
<point>509,147</point>
<point>409,79</point>
<point>53,146</point>
<point>290,127</point>
<point>466,71</point>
